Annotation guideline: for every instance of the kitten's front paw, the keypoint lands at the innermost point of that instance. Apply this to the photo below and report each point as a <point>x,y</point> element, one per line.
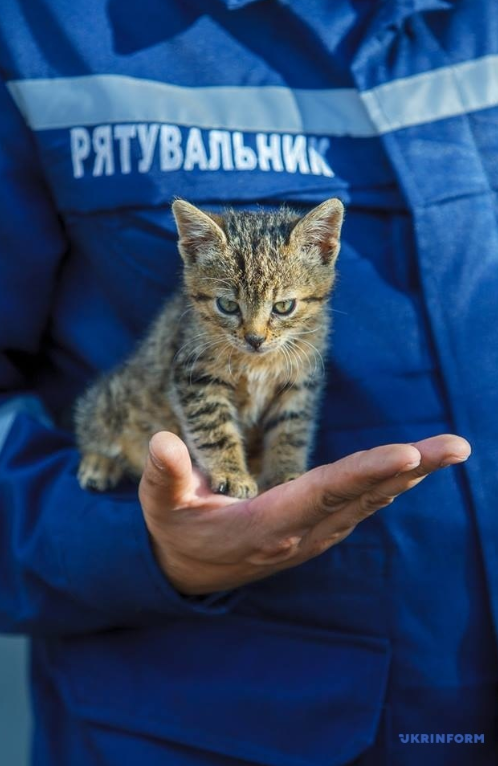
<point>234,484</point>
<point>267,482</point>
<point>99,472</point>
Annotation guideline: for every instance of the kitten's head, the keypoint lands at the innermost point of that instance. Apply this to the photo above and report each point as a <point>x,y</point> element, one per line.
<point>259,279</point>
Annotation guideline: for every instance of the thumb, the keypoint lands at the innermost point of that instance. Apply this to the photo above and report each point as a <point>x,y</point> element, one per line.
<point>167,478</point>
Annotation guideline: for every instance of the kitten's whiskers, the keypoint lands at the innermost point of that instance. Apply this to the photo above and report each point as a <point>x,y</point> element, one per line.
<point>299,352</point>
<point>201,350</point>
<point>189,342</point>
<point>308,355</point>
<point>316,353</point>
<point>294,356</point>
<point>232,349</point>
<point>190,308</point>
<point>305,332</point>
<point>289,365</point>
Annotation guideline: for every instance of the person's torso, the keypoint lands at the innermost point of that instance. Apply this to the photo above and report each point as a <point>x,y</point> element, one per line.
<point>257,106</point>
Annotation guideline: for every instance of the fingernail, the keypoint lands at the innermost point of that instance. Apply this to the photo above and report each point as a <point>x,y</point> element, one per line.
<point>155,460</point>
<point>454,460</point>
<point>407,467</point>
<point>410,466</point>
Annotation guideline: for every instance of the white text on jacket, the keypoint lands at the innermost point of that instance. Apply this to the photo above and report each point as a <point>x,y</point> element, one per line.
<point>106,150</point>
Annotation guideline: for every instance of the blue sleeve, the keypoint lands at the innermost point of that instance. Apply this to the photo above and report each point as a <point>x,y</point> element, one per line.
<point>70,561</point>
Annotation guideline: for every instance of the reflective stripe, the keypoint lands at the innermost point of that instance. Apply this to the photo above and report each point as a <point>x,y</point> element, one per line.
<point>96,99</point>
<point>436,95</point>
<point>423,98</point>
<point>13,407</point>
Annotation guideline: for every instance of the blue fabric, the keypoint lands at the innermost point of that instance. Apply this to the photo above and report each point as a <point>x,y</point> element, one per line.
<point>391,632</point>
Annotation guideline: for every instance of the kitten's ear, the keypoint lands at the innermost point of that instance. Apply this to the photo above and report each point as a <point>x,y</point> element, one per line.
<point>200,234</point>
<point>321,229</point>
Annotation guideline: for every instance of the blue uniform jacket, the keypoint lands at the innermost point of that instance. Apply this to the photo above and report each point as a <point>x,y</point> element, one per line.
<point>108,111</point>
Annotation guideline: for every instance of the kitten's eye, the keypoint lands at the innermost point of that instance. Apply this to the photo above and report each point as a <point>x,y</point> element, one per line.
<point>284,308</point>
<point>226,306</point>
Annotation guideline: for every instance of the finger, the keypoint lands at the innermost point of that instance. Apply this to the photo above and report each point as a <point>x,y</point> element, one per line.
<point>442,451</point>
<point>436,452</point>
<point>167,481</point>
<point>306,501</point>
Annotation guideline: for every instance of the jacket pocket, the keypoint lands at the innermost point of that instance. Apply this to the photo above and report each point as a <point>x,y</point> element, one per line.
<point>270,693</point>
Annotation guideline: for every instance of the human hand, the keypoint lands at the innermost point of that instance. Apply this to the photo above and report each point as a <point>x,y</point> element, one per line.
<point>206,542</point>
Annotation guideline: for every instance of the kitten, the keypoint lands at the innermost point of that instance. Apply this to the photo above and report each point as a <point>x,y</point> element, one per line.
<point>232,363</point>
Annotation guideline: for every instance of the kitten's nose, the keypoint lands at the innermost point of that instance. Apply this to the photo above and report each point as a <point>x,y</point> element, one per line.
<point>254,340</point>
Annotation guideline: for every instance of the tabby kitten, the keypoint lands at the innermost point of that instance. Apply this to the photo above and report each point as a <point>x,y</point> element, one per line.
<point>233,362</point>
